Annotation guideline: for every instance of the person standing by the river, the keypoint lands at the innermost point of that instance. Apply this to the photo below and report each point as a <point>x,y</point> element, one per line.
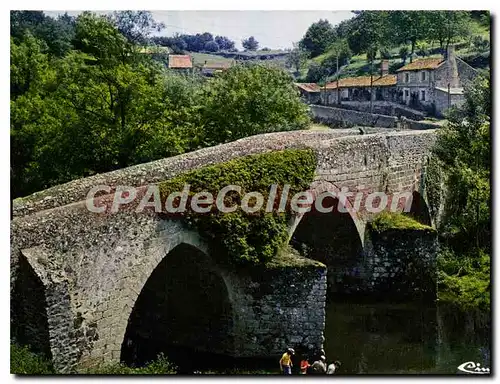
<point>333,367</point>
<point>319,366</point>
<point>286,361</point>
<point>304,365</point>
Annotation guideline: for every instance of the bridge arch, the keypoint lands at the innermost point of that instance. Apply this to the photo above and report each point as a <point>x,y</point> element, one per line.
<point>419,209</point>
<point>335,239</point>
<point>160,318</point>
<point>29,319</point>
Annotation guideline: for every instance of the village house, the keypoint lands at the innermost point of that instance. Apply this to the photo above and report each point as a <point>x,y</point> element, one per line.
<point>380,86</point>
<point>430,84</point>
<point>210,69</point>
<point>434,84</point>
<point>180,63</point>
<point>310,92</point>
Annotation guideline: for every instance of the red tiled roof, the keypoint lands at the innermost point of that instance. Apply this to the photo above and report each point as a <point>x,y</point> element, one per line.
<point>363,81</point>
<point>179,61</point>
<point>308,87</point>
<point>420,64</point>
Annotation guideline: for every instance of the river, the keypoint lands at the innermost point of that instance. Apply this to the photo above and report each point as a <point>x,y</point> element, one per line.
<point>404,338</point>
<point>377,338</point>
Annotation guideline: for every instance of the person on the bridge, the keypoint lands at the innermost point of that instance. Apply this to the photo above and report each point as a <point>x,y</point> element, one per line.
<point>319,366</point>
<point>333,367</point>
<point>286,362</point>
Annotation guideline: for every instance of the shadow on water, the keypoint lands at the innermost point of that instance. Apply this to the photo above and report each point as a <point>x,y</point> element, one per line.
<point>408,338</point>
<point>374,338</point>
<point>191,362</point>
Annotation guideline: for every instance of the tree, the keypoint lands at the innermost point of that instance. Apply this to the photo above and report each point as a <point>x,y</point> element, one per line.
<point>318,37</point>
<point>31,74</point>
<point>224,43</point>
<point>56,33</point>
<point>211,46</point>
<point>196,43</point>
<point>369,31</point>
<point>409,26</point>
<point>340,49</point>
<point>447,26</point>
<point>250,44</point>
<point>248,100</point>
<point>97,36</point>
<point>464,266</point>
<point>316,73</point>
<point>136,26</point>
<point>468,167</point>
<point>297,57</point>
<point>342,29</point>
<point>20,21</point>
<point>176,43</point>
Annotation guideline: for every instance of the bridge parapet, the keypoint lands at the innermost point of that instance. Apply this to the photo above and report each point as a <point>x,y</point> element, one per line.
<point>157,171</point>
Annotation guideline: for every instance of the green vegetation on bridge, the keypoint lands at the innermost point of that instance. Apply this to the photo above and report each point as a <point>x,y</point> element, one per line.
<point>239,237</point>
<point>391,220</point>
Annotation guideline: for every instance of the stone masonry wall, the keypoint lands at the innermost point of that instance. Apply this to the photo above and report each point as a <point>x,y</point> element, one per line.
<point>339,117</point>
<point>466,73</point>
<point>402,264</point>
<point>279,308</point>
<point>387,108</point>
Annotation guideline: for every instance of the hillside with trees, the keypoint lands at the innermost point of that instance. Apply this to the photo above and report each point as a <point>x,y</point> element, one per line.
<point>399,36</point>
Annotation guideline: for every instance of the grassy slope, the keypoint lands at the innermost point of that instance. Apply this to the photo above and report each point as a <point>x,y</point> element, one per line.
<point>200,58</point>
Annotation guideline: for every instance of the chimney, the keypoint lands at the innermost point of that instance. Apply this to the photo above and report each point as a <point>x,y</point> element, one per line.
<point>451,63</point>
<point>384,68</point>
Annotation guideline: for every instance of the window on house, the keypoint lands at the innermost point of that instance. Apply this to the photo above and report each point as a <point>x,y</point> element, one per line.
<point>407,77</point>
<point>407,93</point>
<point>422,95</point>
<point>424,76</point>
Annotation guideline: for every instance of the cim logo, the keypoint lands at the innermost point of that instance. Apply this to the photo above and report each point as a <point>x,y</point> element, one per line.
<point>475,368</point>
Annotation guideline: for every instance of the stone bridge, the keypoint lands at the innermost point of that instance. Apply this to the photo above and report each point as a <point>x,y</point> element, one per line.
<point>89,288</point>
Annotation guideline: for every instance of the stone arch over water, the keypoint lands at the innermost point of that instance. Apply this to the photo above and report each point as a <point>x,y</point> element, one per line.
<point>184,303</point>
<point>332,238</point>
<point>419,209</point>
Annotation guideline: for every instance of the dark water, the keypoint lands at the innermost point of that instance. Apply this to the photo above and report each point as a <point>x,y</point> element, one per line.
<point>377,339</point>
<point>404,338</point>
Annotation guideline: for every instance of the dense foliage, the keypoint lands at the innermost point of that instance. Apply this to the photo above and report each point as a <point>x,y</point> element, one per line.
<point>160,366</point>
<point>248,100</point>
<point>464,280</point>
<point>195,43</point>
<point>104,105</point>
<point>242,238</point>
<point>463,151</point>
<point>376,31</point>
<point>25,362</point>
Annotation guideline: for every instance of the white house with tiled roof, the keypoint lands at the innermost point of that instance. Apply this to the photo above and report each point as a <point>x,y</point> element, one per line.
<point>430,84</point>
<point>435,83</point>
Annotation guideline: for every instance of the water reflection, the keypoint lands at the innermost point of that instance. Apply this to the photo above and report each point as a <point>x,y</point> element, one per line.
<point>404,338</point>
<point>376,338</point>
